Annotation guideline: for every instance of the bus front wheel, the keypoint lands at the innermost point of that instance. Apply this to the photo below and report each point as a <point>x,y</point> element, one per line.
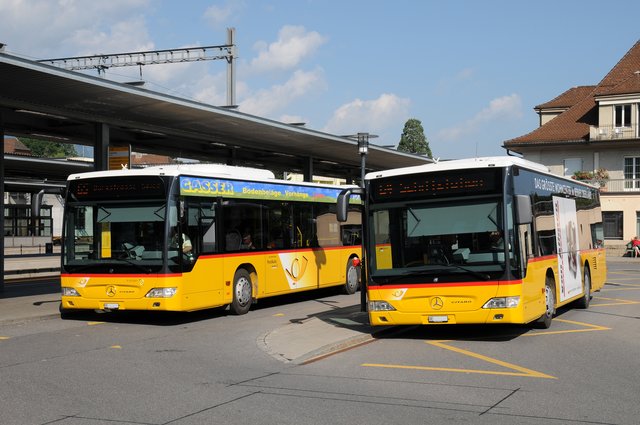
<point>353,277</point>
<point>66,313</point>
<point>550,301</point>
<point>242,292</point>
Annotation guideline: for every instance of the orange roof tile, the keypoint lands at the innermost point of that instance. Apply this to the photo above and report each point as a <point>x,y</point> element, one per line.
<point>573,124</point>
<point>14,146</point>
<point>568,98</point>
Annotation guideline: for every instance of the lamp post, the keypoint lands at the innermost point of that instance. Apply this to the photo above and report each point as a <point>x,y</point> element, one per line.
<point>363,150</point>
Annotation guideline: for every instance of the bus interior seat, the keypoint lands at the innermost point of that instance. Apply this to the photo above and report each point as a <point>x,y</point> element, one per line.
<point>233,240</point>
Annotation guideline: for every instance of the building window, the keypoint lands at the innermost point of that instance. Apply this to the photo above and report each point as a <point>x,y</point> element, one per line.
<point>622,116</point>
<point>571,165</point>
<point>632,173</point>
<point>17,221</point>
<point>612,221</point>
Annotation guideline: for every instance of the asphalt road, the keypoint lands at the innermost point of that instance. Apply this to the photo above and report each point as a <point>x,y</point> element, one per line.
<point>212,367</point>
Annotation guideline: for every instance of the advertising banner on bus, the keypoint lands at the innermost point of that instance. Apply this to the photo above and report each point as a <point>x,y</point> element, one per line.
<point>564,212</point>
<point>202,186</point>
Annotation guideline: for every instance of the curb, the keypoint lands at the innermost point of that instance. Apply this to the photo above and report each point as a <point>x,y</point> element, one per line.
<point>331,349</point>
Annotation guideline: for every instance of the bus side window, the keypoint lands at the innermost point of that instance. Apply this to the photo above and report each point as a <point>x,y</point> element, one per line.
<point>207,226</point>
<point>525,247</point>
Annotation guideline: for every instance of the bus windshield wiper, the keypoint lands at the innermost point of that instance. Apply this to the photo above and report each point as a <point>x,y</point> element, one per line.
<point>134,264</point>
<point>77,269</point>
<point>428,271</point>
<point>482,276</point>
<point>415,271</point>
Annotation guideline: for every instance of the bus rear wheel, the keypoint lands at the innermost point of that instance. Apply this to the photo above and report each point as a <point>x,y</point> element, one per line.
<point>583,302</point>
<point>544,322</point>
<point>242,292</point>
<point>353,277</point>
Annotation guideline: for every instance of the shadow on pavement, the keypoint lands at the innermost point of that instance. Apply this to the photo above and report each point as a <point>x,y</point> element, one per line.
<point>27,288</point>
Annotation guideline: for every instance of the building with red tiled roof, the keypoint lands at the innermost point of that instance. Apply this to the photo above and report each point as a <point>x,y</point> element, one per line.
<point>551,109</point>
<point>14,146</point>
<point>596,128</point>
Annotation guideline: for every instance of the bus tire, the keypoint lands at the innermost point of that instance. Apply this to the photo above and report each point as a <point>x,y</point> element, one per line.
<point>66,314</point>
<point>544,322</point>
<point>583,302</point>
<point>353,278</point>
<point>242,292</point>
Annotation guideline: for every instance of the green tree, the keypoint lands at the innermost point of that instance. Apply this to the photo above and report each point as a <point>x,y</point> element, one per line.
<point>46,149</point>
<point>413,139</point>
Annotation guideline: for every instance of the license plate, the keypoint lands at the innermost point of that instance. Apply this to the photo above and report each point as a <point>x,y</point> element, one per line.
<point>438,319</point>
<point>111,306</point>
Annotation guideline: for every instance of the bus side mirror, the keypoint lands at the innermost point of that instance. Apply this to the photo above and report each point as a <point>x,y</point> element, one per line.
<point>342,208</point>
<point>523,209</point>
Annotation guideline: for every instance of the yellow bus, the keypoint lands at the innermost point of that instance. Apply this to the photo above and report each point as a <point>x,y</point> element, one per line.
<point>484,240</point>
<point>190,237</point>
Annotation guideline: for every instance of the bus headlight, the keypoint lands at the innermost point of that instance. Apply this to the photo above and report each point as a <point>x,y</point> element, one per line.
<point>380,306</point>
<point>161,293</point>
<point>69,292</point>
<point>502,302</point>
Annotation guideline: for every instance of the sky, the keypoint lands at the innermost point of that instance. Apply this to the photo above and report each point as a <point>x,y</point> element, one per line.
<point>471,71</point>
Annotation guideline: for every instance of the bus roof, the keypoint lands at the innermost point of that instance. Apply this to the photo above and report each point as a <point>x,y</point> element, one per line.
<point>461,164</point>
<point>199,170</point>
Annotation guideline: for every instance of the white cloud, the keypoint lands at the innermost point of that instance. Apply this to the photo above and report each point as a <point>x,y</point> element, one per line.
<point>221,15</point>
<point>270,101</point>
<point>374,116</point>
<point>211,89</point>
<point>294,44</point>
<point>464,74</point>
<point>499,109</point>
<point>124,36</point>
<point>46,28</point>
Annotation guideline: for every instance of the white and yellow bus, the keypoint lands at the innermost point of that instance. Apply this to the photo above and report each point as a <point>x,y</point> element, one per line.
<point>485,240</point>
<point>190,237</point>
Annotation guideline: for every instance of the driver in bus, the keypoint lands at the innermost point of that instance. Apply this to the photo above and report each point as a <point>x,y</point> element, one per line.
<point>497,242</point>
<point>186,242</point>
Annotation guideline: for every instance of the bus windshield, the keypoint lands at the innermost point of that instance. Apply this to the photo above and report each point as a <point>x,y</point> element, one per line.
<point>123,237</point>
<point>447,240</point>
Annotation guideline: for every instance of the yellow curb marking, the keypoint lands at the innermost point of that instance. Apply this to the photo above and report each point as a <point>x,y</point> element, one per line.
<point>619,302</point>
<point>522,371</point>
<point>621,287</point>
<point>589,328</point>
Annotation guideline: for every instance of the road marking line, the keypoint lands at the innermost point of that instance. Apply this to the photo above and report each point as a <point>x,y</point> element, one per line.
<point>622,287</point>
<point>619,302</point>
<point>447,369</point>
<point>278,315</point>
<point>522,371</point>
<point>3,338</point>
<point>116,346</point>
<point>95,323</point>
<point>589,328</point>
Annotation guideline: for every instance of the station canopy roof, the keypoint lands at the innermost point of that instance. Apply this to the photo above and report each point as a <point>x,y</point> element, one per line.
<point>45,102</point>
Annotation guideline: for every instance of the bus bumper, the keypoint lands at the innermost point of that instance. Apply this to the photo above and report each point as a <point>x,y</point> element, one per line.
<point>482,316</point>
<point>160,304</point>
